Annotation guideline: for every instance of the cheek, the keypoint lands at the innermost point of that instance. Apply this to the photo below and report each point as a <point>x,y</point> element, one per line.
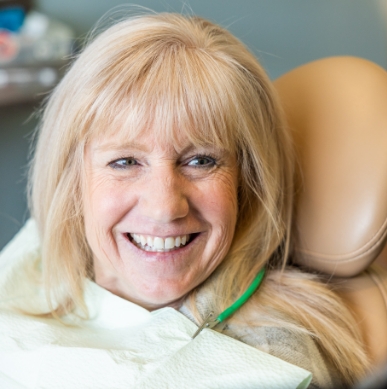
<point>105,203</point>
<point>219,202</point>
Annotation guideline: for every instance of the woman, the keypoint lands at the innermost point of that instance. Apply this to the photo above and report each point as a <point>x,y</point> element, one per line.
<point>163,172</point>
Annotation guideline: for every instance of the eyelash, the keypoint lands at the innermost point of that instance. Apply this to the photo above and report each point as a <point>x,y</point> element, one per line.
<point>211,158</point>
<point>212,162</point>
<point>115,165</point>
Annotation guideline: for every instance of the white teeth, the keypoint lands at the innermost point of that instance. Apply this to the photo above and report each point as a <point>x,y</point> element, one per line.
<point>169,243</point>
<point>143,240</point>
<point>149,243</point>
<point>158,243</point>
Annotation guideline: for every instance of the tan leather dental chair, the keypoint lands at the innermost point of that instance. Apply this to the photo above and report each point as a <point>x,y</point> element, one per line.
<point>337,112</point>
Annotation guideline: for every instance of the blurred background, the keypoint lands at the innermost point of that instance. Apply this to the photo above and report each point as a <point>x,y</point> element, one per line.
<point>38,37</point>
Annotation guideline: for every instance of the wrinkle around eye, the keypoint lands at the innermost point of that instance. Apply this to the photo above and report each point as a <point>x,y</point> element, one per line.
<point>215,173</point>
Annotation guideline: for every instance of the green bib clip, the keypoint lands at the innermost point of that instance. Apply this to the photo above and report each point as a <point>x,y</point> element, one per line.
<point>211,323</point>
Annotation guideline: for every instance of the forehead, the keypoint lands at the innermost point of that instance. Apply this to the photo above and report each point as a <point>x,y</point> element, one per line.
<point>133,124</point>
<point>151,140</point>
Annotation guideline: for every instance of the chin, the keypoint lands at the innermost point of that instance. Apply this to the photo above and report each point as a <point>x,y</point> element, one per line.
<point>156,302</point>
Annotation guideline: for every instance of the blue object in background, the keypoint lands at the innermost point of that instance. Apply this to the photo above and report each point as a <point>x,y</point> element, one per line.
<point>283,34</point>
<point>11,18</point>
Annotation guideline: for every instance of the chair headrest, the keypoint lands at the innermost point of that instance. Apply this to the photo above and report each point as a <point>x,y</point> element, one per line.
<point>337,112</point>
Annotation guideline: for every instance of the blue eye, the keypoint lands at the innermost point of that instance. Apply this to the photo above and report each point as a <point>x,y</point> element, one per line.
<point>202,161</point>
<point>123,163</point>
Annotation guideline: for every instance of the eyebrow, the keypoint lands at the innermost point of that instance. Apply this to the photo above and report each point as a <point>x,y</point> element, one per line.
<point>124,146</point>
<point>107,146</point>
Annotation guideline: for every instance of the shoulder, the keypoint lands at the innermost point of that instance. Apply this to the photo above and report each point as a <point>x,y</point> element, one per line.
<point>266,328</point>
<point>294,347</point>
<point>20,271</point>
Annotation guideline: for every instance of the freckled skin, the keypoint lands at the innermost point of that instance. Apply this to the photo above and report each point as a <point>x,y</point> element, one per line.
<point>150,188</point>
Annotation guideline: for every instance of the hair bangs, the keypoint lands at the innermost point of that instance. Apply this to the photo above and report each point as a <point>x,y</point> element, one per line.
<point>178,93</point>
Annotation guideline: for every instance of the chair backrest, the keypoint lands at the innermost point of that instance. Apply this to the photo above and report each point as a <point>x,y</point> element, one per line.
<point>337,112</point>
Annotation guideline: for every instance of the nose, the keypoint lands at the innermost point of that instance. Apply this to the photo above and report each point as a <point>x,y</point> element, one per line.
<point>163,198</point>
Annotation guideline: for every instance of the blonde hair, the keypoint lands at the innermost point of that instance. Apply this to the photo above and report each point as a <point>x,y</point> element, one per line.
<point>187,75</point>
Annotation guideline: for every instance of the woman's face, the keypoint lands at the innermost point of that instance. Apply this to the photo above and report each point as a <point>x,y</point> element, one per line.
<point>158,218</point>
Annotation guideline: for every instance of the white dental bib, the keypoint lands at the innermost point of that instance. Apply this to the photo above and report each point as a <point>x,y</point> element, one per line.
<point>121,346</point>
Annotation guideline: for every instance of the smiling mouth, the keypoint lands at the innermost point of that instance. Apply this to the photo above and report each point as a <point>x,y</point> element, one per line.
<point>157,244</point>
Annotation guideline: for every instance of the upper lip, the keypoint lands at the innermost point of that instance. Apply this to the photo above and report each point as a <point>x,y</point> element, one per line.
<point>165,233</point>
<point>161,235</point>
